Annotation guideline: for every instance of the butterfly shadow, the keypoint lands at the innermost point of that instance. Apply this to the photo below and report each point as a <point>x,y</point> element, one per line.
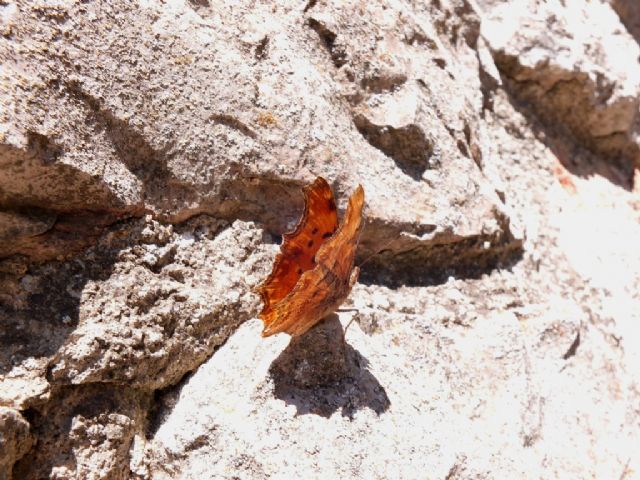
<point>319,373</point>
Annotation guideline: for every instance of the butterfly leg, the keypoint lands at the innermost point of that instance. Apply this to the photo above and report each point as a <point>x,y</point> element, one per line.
<point>353,317</point>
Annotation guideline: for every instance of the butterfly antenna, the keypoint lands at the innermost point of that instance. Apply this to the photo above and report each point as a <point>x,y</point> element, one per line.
<point>375,253</point>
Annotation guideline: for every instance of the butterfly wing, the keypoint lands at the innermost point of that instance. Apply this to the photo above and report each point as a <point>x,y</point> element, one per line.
<point>299,247</point>
<point>321,290</point>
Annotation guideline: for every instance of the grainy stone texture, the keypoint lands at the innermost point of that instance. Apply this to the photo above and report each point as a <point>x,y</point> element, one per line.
<point>577,67</point>
<point>316,359</point>
<point>15,439</point>
<point>84,432</point>
<point>151,154</point>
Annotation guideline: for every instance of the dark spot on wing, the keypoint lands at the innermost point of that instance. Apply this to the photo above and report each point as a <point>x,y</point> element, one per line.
<point>332,204</point>
<point>327,235</point>
<point>310,243</point>
<point>314,231</point>
<point>299,271</point>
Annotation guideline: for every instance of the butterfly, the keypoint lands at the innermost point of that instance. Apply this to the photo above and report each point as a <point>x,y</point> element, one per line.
<point>314,271</point>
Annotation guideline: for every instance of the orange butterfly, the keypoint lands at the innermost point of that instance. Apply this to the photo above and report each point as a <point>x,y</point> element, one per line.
<point>314,271</point>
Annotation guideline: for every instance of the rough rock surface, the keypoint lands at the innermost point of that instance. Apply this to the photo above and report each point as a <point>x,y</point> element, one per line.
<point>15,439</point>
<point>151,154</point>
<point>577,67</point>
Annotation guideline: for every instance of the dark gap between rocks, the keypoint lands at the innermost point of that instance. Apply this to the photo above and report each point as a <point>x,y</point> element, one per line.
<point>429,265</point>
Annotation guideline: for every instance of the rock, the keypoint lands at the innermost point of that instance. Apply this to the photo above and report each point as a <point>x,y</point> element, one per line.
<point>167,145</point>
<point>54,237</point>
<point>152,155</point>
<point>399,81</point>
<point>175,291</point>
<point>314,359</point>
<point>84,431</point>
<point>15,440</point>
<point>13,224</point>
<point>268,414</point>
<point>493,381</point>
<point>629,13</point>
<point>563,61</point>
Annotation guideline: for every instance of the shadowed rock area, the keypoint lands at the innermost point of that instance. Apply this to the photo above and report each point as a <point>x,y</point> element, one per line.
<point>152,155</point>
